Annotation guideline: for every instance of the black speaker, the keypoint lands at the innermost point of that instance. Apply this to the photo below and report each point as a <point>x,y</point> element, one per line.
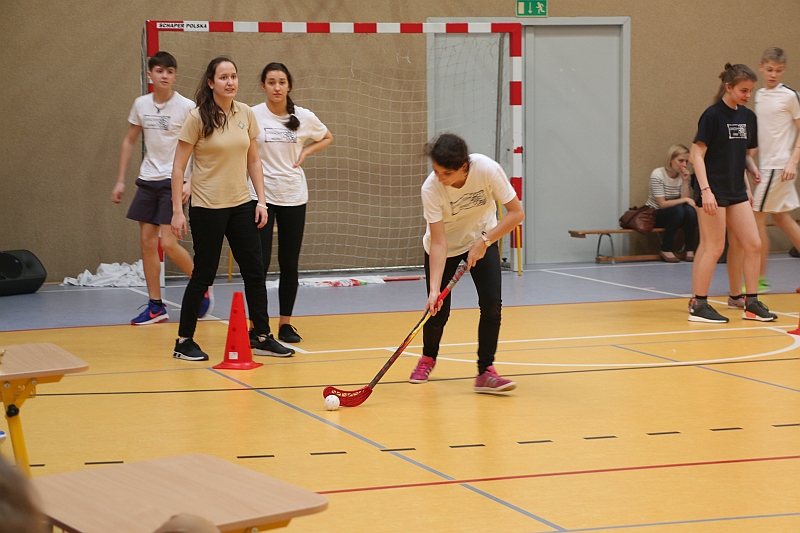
<point>21,272</point>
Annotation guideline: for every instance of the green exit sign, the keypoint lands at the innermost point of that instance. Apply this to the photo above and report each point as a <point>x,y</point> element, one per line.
<point>531,8</point>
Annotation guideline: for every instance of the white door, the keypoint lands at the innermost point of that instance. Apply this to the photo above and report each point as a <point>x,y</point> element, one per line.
<point>576,137</point>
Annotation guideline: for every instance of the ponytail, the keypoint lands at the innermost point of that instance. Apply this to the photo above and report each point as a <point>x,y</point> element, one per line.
<point>732,75</point>
<point>293,123</point>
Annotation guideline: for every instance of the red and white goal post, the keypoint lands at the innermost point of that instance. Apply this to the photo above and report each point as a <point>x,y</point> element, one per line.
<point>383,90</point>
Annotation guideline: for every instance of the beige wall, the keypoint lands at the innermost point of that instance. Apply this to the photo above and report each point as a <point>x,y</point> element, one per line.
<point>71,72</point>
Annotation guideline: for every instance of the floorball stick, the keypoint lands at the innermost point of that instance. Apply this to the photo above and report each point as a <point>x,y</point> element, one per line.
<point>357,397</point>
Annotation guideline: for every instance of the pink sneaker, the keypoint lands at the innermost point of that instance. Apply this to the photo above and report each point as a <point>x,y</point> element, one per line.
<point>424,367</point>
<point>490,381</point>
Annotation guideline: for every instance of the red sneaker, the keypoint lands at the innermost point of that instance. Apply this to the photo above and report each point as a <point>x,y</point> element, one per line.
<point>490,381</point>
<point>424,367</point>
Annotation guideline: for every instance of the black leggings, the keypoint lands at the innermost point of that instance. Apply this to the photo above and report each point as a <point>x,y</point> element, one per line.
<point>209,227</point>
<point>487,279</point>
<point>291,224</point>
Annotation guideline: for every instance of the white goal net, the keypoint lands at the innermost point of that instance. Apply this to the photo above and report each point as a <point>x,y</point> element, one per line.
<point>382,96</point>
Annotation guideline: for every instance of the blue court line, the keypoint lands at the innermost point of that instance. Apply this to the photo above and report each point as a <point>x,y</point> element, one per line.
<point>514,507</point>
<point>680,522</point>
<point>381,447</point>
<point>702,367</point>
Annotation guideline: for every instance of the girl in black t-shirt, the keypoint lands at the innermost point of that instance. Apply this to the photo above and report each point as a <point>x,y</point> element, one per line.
<point>719,156</point>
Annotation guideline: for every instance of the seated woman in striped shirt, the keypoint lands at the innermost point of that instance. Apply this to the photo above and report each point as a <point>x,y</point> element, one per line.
<point>671,196</point>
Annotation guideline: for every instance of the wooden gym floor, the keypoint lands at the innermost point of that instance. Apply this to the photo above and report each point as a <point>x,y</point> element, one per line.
<point>626,417</point>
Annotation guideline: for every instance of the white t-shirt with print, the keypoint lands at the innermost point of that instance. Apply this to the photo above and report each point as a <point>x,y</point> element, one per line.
<point>279,148</point>
<point>776,109</point>
<point>161,125</point>
<point>467,211</point>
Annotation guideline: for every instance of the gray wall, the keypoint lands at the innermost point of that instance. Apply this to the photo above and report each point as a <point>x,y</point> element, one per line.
<point>72,71</point>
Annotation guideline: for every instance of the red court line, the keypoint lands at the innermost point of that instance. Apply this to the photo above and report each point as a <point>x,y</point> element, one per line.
<point>567,473</point>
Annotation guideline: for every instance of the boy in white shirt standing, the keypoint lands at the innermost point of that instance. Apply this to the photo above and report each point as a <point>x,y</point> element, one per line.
<point>159,116</point>
<point>778,111</point>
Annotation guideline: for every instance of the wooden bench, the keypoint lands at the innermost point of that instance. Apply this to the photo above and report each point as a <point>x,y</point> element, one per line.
<point>613,258</point>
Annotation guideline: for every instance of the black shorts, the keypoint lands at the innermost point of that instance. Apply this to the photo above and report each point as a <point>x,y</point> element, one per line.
<point>152,203</point>
<point>721,202</point>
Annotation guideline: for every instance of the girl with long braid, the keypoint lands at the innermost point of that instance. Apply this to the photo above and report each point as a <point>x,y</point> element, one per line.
<point>287,135</point>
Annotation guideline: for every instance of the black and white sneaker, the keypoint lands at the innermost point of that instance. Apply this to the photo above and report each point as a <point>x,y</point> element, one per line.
<point>188,350</point>
<point>702,312</point>
<point>288,333</point>
<point>267,345</point>
<point>758,311</point>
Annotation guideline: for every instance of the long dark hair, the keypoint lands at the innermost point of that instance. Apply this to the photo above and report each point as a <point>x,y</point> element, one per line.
<point>449,151</point>
<point>732,75</point>
<point>211,114</point>
<point>293,123</point>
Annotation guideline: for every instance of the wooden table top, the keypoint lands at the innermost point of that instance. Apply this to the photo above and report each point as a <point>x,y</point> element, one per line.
<point>25,361</point>
<point>138,497</point>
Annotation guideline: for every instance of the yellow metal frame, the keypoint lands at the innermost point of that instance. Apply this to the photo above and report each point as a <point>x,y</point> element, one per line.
<point>516,234</point>
<point>15,392</point>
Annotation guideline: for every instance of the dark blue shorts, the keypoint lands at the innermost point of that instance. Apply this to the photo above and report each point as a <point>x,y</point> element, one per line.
<point>152,203</point>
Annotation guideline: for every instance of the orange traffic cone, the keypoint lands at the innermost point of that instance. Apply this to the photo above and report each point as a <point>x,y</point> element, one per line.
<point>238,355</point>
<point>796,331</point>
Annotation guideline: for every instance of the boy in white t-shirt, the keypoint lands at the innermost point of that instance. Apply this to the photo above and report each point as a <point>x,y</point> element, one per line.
<point>459,201</point>
<point>778,111</point>
<point>159,116</point>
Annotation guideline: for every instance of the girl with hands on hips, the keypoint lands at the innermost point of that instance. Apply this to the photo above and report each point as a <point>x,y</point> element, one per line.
<point>287,135</point>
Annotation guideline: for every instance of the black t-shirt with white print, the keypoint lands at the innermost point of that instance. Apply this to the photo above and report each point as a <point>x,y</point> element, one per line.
<point>727,133</point>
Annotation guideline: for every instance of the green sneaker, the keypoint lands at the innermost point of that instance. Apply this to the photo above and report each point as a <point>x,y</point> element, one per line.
<point>763,286</point>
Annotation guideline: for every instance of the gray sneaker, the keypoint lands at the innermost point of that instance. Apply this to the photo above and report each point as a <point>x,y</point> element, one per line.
<point>702,312</point>
<point>736,303</point>
<point>267,345</point>
<point>758,311</point>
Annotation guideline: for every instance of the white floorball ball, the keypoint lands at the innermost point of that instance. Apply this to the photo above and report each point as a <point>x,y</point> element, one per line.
<point>331,402</point>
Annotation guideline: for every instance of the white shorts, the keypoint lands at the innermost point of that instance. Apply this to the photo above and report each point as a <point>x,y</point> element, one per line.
<point>773,195</point>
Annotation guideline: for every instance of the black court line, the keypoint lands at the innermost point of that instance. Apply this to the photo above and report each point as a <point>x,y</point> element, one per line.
<point>36,465</point>
<point>254,456</point>
<point>405,381</point>
<point>601,437</point>
<point>328,453</point>
<point>467,445</point>
<point>398,449</point>
<point>785,425</point>
<point>103,462</point>
<point>664,433</point>
<point>534,441</point>
<point>725,429</point>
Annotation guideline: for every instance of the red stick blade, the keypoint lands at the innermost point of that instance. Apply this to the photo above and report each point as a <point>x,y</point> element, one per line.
<point>348,398</point>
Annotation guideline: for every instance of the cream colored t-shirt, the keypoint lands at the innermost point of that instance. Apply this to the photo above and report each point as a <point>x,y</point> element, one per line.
<point>219,178</point>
